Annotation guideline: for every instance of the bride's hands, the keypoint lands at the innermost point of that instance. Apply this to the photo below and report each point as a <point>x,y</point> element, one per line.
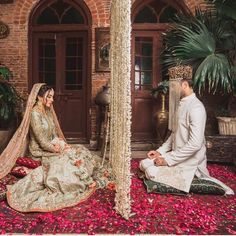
<point>67,146</point>
<point>57,147</point>
<point>92,185</point>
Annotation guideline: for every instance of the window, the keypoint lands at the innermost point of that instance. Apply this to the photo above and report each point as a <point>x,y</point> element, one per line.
<point>146,15</point>
<point>167,15</point>
<point>60,12</point>
<point>143,63</point>
<point>155,12</point>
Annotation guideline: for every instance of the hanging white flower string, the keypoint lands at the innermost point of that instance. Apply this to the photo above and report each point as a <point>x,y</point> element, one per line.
<point>120,125</point>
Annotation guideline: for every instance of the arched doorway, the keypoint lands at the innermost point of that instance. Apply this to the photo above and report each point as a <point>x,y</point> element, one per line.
<point>150,19</point>
<point>59,55</point>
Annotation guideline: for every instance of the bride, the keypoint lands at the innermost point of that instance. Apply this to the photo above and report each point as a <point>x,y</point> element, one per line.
<point>68,175</point>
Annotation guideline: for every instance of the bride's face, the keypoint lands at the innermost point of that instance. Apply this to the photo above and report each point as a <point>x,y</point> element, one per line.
<point>48,98</point>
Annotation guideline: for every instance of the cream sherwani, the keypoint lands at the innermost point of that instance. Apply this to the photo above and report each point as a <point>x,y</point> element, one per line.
<point>185,150</point>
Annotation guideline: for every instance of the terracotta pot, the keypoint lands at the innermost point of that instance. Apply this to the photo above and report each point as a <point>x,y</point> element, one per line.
<point>103,97</point>
<point>162,119</point>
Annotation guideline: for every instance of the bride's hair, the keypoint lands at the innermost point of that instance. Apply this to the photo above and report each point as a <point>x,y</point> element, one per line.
<point>43,90</point>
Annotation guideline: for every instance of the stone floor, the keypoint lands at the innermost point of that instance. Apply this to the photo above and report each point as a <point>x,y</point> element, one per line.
<point>134,154</point>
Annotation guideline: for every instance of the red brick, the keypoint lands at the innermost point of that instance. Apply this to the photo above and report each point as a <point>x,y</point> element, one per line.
<point>14,49</point>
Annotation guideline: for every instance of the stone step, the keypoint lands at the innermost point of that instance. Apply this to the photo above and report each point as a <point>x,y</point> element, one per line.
<point>219,148</point>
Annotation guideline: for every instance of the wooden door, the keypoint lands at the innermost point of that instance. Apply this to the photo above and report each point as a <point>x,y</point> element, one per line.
<point>145,74</point>
<point>60,60</point>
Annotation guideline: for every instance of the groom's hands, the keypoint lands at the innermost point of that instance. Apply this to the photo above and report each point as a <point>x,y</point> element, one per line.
<point>157,158</point>
<point>160,161</point>
<point>153,154</point>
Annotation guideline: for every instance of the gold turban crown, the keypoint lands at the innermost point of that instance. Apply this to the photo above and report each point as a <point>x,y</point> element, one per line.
<point>180,72</point>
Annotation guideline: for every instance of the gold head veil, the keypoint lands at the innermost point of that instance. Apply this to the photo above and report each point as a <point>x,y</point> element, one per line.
<point>176,74</point>
<point>19,142</point>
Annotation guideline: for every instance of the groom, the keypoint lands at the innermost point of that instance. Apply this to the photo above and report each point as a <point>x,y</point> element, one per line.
<point>183,155</point>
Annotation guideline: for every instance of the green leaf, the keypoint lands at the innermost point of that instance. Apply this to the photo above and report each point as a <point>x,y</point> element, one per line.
<point>214,71</point>
<point>5,73</point>
<point>207,42</point>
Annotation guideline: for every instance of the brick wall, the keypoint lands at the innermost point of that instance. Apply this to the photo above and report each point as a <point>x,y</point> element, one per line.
<point>192,4</point>
<point>14,48</point>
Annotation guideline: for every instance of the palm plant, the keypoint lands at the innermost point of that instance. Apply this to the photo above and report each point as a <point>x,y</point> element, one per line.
<point>9,98</point>
<point>226,8</point>
<point>206,41</point>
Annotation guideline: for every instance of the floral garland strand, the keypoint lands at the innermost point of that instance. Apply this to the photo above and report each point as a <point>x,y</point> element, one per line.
<point>120,134</point>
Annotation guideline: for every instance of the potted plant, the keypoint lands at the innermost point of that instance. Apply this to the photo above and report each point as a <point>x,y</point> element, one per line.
<point>161,115</point>
<point>226,121</point>
<point>207,42</point>
<point>9,106</point>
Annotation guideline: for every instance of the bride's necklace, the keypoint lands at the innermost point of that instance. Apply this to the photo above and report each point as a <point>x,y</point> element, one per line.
<point>41,109</point>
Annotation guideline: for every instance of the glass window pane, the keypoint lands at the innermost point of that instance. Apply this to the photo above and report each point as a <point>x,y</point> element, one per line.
<point>60,12</point>
<point>72,16</point>
<point>50,64</point>
<point>80,49</point>
<point>80,63</point>
<point>146,63</point>
<point>137,47</point>
<point>71,77</point>
<point>146,15</point>
<point>49,50</point>
<point>146,78</point>
<point>41,64</point>
<point>71,49</point>
<point>50,78</point>
<point>80,78</point>
<point>71,63</point>
<point>41,51</point>
<point>137,63</point>
<point>137,77</point>
<point>60,6</point>
<point>41,77</point>
<point>73,80</point>
<point>147,49</point>
<point>48,16</point>
<point>167,15</point>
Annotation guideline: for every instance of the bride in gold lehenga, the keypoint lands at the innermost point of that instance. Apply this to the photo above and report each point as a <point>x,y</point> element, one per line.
<point>67,176</point>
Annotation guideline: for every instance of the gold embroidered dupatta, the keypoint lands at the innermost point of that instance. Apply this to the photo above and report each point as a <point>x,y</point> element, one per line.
<point>19,142</point>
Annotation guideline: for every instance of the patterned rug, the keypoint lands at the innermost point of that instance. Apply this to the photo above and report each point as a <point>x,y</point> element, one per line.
<point>153,213</point>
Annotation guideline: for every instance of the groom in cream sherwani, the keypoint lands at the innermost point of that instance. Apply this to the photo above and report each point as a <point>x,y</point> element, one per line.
<point>183,155</point>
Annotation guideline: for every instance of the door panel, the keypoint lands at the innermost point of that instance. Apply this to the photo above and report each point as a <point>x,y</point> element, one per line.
<point>73,88</point>
<point>60,61</point>
<point>143,125</point>
<point>71,120</point>
<point>45,66</point>
<point>145,74</point>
